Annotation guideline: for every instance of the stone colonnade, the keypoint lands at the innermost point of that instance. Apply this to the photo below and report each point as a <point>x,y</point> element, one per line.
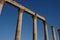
<point>22,9</point>
<point>19,27</point>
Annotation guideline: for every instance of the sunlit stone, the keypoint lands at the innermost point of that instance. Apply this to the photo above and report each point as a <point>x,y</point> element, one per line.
<point>8,0</point>
<point>1,5</point>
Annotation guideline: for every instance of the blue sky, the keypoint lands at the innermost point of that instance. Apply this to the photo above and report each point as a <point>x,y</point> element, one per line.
<point>50,9</point>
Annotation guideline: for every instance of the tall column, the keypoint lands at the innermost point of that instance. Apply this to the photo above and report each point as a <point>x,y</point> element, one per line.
<point>59,33</point>
<point>1,5</point>
<point>53,33</point>
<point>45,30</point>
<point>19,25</point>
<point>34,27</point>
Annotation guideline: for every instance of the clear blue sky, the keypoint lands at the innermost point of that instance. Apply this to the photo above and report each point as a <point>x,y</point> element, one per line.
<point>50,9</point>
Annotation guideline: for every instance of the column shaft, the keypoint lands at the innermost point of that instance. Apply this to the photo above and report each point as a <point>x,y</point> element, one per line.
<point>53,33</point>
<point>1,5</point>
<point>46,30</point>
<point>19,25</point>
<point>34,28</point>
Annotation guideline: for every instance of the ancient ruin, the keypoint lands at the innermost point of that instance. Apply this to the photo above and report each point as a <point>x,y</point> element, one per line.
<point>34,17</point>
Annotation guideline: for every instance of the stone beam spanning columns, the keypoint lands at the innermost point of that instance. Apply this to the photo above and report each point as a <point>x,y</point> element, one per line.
<point>53,32</point>
<point>59,33</point>
<point>1,5</point>
<point>25,9</point>
<point>19,25</point>
<point>12,2</point>
<point>9,0</point>
<point>34,27</point>
<point>45,30</point>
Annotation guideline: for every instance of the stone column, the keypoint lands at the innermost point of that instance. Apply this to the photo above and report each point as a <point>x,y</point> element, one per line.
<point>59,33</point>
<point>1,5</point>
<point>34,27</point>
<point>53,33</point>
<point>19,25</point>
<point>45,30</point>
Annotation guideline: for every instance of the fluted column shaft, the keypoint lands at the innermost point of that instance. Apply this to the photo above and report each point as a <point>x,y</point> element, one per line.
<point>53,33</point>
<point>34,27</point>
<point>19,25</point>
